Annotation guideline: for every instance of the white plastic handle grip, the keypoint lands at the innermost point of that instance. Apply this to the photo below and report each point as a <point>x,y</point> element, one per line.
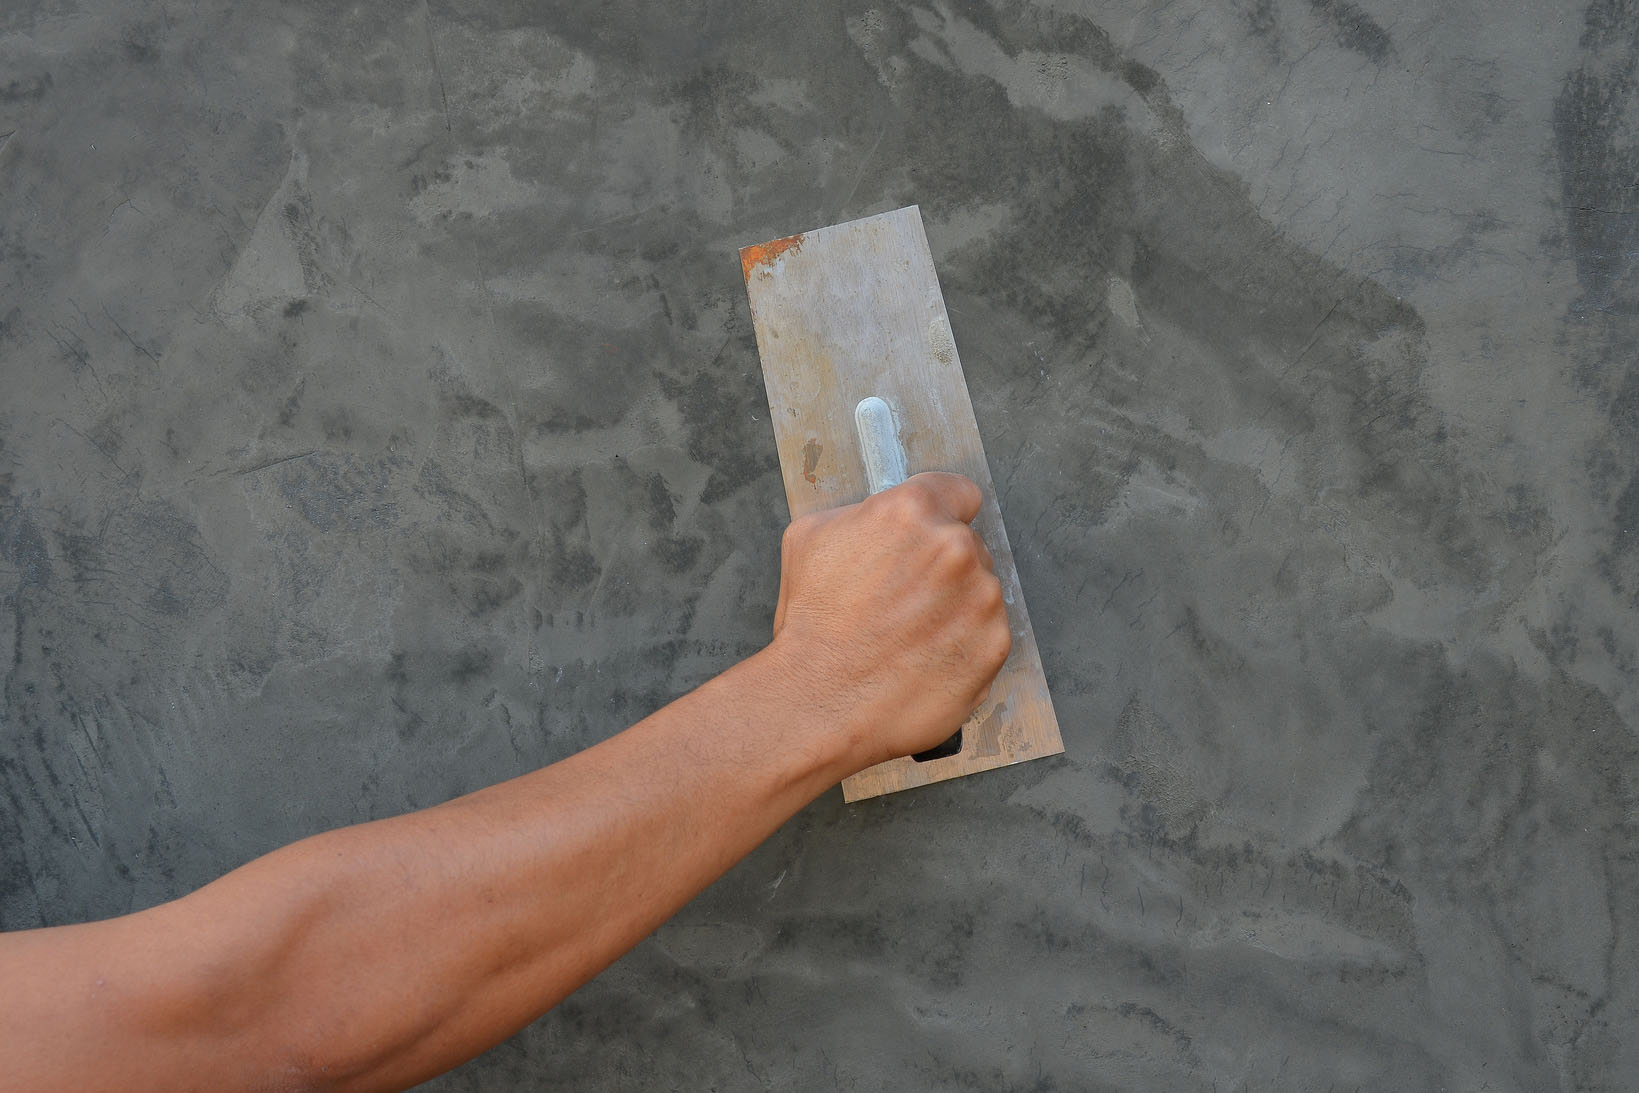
<point>879,444</point>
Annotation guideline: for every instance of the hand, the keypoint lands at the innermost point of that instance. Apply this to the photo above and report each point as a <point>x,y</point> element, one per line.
<point>891,616</point>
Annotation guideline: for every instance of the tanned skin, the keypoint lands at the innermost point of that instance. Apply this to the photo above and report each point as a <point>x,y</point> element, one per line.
<point>377,956</point>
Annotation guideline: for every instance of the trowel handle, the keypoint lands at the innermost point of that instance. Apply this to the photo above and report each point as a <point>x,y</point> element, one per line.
<point>879,444</point>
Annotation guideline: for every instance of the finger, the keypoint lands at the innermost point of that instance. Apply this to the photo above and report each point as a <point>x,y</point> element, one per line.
<point>956,494</point>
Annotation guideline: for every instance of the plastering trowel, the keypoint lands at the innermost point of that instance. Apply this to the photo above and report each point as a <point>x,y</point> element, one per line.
<point>864,389</point>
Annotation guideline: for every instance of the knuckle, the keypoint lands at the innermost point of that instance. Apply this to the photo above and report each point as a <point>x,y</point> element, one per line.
<point>882,506</point>
<point>1003,644</point>
<point>990,596</point>
<point>907,502</point>
<point>992,653</point>
<point>954,544</point>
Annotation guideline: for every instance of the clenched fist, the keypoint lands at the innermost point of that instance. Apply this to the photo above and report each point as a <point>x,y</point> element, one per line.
<point>891,616</point>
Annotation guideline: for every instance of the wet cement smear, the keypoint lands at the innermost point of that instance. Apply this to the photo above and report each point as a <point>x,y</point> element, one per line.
<point>1123,304</point>
<point>940,342</point>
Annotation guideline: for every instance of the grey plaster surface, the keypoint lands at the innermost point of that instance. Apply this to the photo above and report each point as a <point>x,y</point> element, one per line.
<point>380,418</point>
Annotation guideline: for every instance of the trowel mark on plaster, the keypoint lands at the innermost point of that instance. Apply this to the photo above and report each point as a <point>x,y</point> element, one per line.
<point>1598,159</point>
<point>1310,906</point>
<point>267,271</point>
<point>1123,304</point>
<point>725,433</point>
<point>1065,86</point>
<point>515,77</point>
<point>1356,30</point>
<point>478,185</point>
<point>281,261</point>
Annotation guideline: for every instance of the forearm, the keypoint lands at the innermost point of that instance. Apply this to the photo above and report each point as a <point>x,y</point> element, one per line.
<point>375,956</point>
<point>378,955</point>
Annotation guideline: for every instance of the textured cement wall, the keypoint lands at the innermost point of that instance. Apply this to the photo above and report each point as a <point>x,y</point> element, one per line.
<point>380,417</point>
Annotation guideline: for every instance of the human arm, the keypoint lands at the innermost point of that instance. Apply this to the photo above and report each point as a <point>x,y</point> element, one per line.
<point>376,956</point>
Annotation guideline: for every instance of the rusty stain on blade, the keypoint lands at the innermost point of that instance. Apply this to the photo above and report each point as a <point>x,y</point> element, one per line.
<point>811,457</point>
<point>763,254</point>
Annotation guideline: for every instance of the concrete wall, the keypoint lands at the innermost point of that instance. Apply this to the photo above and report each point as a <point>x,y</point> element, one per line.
<point>380,417</point>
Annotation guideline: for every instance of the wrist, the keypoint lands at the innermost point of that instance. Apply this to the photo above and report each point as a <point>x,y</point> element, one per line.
<point>807,721</point>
